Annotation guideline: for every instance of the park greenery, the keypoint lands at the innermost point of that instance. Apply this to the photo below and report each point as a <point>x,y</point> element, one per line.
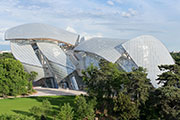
<point>13,79</point>
<point>112,94</point>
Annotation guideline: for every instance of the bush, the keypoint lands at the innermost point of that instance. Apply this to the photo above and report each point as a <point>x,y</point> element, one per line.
<point>66,112</point>
<point>84,109</point>
<point>125,108</point>
<point>15,117</point>
<point>36,111</point>
<point>43,110</point>
<point>13,78</point>
<point>32,77</point>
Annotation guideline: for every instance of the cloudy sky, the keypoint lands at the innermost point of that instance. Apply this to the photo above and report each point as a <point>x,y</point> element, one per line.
<point>103,18</point>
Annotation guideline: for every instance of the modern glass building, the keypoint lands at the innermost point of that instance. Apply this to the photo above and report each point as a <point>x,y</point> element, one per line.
<point>59,56</point>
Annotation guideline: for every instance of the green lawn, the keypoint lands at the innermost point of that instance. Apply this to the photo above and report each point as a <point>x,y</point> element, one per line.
<point>22,105</point>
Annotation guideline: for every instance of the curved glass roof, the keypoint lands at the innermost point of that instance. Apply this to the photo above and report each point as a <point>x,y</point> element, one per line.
<point>104,47</point>
<point>25,54</point>
<point>41,32</point>
<point>148,52</point>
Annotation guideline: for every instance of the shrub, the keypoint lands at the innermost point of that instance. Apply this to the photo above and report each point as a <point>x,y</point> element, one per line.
<point>36,111</point>
<point>84,109</point>
<point>43,110</point>
<point>66,112</point>
<point>13,78</point>
<point>125,108</point>
<point>15,117</point>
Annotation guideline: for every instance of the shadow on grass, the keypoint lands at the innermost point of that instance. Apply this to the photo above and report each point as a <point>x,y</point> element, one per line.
<point>23,112</point>
<point>56,100</point>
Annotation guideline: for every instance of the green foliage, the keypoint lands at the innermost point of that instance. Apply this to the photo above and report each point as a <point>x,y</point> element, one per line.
<point>13,78</point>
<point>66,112</point>
<point>15,117</point>
<point>138,86</point>
<point>32,77</point>
<point>22,105</point>
<point>125,108</point>
<point>46,104</point>
<point>106,82</point>
<point>36,111</point>
<point>84,109</point>
<point>6,55</point>
<point>171,76</point>
<point>176,57</point>
<point>43,110</point>
<point>164,103</point>
<point>103,82</point>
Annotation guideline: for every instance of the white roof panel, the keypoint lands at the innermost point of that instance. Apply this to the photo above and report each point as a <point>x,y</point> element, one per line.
<point>38,31</point>
<point>55,54</point>
<point>104,47</point>
<point>148,52</point>
<point>25,54</point>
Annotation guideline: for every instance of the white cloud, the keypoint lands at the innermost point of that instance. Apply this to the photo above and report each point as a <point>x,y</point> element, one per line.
<point>89,16</point>
<point>131,12</point>
<point>126,14</point>
<point>70,29</point>
<point>109,2</point>
<point>119,1</point>
<point>89,36</point>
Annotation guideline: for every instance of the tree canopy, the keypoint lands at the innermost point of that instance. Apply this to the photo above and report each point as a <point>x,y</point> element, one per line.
<point>112,86</point>
<point>13,79</point>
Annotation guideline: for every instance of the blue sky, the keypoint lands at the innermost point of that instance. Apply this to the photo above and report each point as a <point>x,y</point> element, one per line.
<point>103,18</point>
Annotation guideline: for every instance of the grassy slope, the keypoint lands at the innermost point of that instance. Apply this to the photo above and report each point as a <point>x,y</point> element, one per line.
<point>22,105</point>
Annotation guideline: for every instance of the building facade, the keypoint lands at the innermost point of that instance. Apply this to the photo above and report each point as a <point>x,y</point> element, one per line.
<point>59,56</point>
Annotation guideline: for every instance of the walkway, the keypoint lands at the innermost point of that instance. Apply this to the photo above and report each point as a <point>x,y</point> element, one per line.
<point>51,91</point>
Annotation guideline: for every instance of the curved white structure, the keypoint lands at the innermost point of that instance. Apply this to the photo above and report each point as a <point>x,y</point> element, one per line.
<point>104,47</point>
<point>28,58</point>
<point>145,51</point>
<point>40,31</point>
<point>148,52</point>
<point>58,56</point>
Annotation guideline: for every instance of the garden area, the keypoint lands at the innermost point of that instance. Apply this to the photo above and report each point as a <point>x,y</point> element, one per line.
<point>112,94</point>
<point>22,106</point>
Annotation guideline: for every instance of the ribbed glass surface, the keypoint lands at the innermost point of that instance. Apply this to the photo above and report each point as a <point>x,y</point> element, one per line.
<point>148,52</point>
<point>60,63</point>
<point>104,47</point>
<point>60,71</point>
<point>25,54</point>
<point>38,30</point>
<point>55,54</point>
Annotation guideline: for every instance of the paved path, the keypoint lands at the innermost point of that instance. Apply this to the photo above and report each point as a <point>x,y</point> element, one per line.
<point>52,91</point>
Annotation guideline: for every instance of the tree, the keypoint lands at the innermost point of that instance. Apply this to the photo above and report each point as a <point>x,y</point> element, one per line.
<point>164,103</point>
<point>176,57</point>
<point>41,111</point>
<point>66,112</point>
<point>13,78</point>
<point>107,82</point>
<point>138,86</point>
<point>170,76</point>
<point>84,109</point>
<point>125,108</point>
<point>32,77</point>
<point>103,82</point>
<point>6,55</point>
